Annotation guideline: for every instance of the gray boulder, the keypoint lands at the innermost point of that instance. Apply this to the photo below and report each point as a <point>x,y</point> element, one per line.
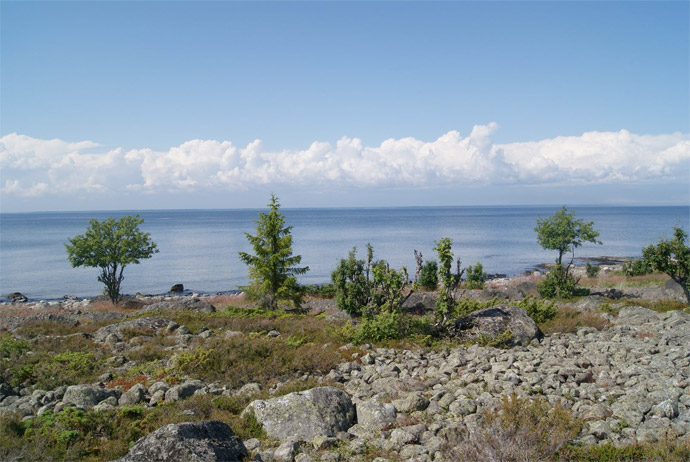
<point>85,395</point>
<point>183,303</point>
<point>304,415</point>
<point>184,390</point>
<point>152,324</point>
<point>206,441</point>
<point>375,414</point>
<point>135,395</point>
<point>491,322</point>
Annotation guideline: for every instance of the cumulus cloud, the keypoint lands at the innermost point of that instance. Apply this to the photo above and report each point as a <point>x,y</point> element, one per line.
<point>33,167</point>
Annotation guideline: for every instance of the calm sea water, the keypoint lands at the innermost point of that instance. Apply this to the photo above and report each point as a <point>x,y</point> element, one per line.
<point>199,247</point>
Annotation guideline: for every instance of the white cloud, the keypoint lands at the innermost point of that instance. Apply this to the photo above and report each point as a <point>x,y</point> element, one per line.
<point>33,167</point>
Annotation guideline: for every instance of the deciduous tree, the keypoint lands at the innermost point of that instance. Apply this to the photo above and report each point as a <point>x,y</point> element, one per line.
<point>671,256</point>
<point>111,245</point>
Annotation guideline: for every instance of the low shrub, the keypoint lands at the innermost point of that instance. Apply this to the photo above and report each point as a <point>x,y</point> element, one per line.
<point>559,283</point>
<point>592,270</point>
<point>428,276</point>
<point>539,310</point>
<point>637,267</point>
<point>383,326</point>
<point>522,429</point>
<point>476,277</point>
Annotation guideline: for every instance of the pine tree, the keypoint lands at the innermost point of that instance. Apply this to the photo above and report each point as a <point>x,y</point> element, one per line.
<point>273,268</point>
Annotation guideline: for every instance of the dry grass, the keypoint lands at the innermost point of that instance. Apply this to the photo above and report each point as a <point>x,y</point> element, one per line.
<point>568,319</point>
<point>522,430</point>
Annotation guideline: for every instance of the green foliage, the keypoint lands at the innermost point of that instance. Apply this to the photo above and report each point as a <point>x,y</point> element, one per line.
<point>637,267</point>
<point>558,284</point>
<point>671,256</point>
<point>562,232</point>
<point>592,270</point>
<point>111,245</point>
<point>445,302</point>
<point>11,347</point>
<point>476,277</point>
<point>502,340</point>
<point>428,277</point>
<point>367,288</point>
<point>352,282</point>
<point>273,269</point>
<point>383,326</point>
<point>539,310</point>
<point>320,290</point>
<point>388,288</point>
<point>466,306</point>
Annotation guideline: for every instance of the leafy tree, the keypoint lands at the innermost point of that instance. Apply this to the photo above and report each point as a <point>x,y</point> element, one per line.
<point>671,256</point>
<point>111,245</point>
<point>445,303</point>
<point>273,270</point>
<point>562,232</point>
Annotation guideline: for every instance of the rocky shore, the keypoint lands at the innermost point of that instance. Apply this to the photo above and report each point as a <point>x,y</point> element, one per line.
<point>628,382</point>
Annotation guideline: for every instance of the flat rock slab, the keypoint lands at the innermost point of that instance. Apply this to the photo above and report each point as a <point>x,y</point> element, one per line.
<point>322,411</point>
<point>206,441</point>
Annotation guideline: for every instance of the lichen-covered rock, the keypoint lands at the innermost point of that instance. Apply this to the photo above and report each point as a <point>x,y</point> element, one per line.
<point>135,395</point>
<point>142,323</point>
<point>491,323</point>
<point>304,415</point>
<point>184,390</point>
<point>85,395</point>
<point>187,304</point>
<point>375,414</point>
<point>206,441</point>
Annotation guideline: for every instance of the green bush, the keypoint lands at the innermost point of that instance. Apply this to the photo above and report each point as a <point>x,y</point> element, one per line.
<point>559,283</point>
<point>383,326</point>
<point>636,268</point>
<point>428,277</point>
<point>476,277</point>
<point>592,270</point>
<point>351,279</point>
<point>539,310</point>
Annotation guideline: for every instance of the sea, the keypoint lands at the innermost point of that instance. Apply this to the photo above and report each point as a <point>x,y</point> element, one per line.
<point>199,248</point>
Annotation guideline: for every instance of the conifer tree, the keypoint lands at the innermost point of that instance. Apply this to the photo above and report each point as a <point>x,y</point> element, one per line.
<point>273,269</point>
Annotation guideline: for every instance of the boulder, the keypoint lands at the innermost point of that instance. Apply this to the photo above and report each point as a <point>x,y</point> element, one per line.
<point>135,395</point>
<point>16,297</point>
<point>304,415</point>
<point>206,441</point>
<point>420,303</point>
<point>184,390</point>
<point>153,324</point>
<point>176,288</point>
<point>85,395</point>
<point>375,414</point>
<point>491,323</point>
<point>184,303</point>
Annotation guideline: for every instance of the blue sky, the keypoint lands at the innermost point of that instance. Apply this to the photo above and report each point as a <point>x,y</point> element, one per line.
<point>160,104</point>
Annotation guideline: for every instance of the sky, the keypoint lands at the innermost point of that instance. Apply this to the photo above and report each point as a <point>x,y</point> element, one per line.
<point>177,105</point>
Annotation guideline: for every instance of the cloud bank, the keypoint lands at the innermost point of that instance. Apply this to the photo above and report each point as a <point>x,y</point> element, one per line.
<point>34,167</point>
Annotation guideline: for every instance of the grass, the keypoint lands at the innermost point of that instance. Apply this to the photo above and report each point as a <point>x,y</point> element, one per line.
<point>568,320</point>
<point>660,306</point>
